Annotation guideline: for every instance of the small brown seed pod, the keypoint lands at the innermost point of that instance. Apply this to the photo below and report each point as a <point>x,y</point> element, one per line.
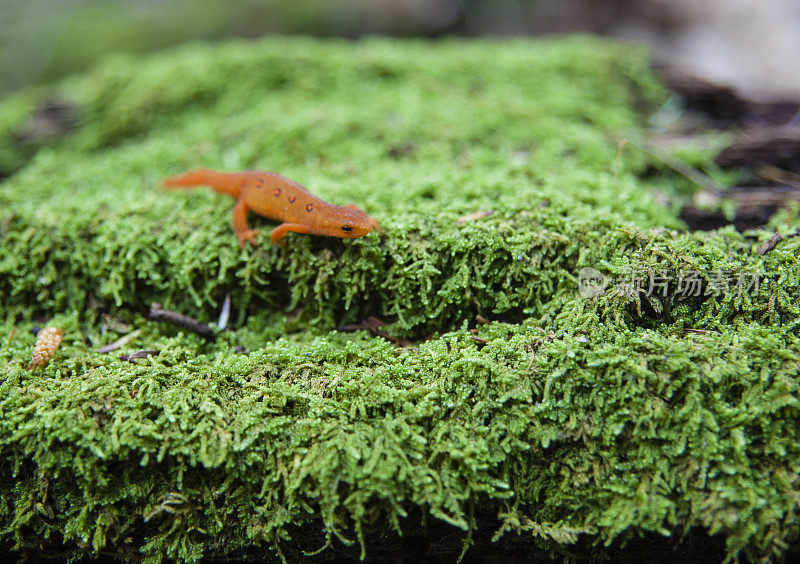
<point>47,343</point>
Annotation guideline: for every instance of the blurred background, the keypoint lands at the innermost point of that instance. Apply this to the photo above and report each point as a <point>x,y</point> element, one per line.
<point>750,44</point>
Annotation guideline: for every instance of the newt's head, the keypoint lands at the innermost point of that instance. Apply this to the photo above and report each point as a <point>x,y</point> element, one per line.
<point>352,223</point>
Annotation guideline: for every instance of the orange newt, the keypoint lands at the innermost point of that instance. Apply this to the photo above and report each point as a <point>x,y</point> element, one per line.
<point>276,197</point>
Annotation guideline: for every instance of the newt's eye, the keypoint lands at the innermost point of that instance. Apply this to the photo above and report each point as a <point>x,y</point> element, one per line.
<point>346,228</point>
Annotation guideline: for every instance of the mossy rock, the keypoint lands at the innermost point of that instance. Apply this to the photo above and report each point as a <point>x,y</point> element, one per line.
<point>559,423</point>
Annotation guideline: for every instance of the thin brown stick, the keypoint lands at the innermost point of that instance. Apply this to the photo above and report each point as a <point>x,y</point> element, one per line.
<point>119,343</point>
<point>773,241</point>
<point>158,313</point>
<point>475,216</point>
<point>770,244</point>
<point>138,354</point>
<point>778,175</point>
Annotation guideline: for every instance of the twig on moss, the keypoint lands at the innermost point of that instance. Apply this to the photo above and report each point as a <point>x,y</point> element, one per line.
<point>158,313</point>
<point>475,216</point>
<point>773,241</point>
<point>119,343</point>
<point>138,354</point>
<point>770,244</point>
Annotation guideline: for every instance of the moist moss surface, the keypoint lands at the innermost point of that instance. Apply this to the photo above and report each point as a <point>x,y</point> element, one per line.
<point>573,421</point>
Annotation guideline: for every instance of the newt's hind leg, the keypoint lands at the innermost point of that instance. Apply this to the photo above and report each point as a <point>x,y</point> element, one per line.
<point>280,232</point>
<point>223,182</point>
<point>240,226</point>
<point>372,222</point>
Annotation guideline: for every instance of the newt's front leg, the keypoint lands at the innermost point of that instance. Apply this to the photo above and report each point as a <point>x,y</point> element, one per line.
<point>240,226</point>
<point>280,232</point>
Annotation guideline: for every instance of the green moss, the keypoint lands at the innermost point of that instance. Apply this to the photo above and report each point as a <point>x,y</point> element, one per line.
<point>597,419</point>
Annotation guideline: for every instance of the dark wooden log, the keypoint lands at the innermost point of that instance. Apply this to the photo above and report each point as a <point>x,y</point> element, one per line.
<point>724,105</point>
<point>778,147</point>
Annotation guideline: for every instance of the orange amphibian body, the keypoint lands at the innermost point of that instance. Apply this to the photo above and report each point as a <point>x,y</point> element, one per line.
<point>278,198</point>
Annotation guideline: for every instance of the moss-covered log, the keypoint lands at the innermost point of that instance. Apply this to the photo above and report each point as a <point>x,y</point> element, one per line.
<point>569,418</point>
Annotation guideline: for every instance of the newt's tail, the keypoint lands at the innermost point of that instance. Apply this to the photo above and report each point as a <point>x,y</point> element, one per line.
<point>223,182</point>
